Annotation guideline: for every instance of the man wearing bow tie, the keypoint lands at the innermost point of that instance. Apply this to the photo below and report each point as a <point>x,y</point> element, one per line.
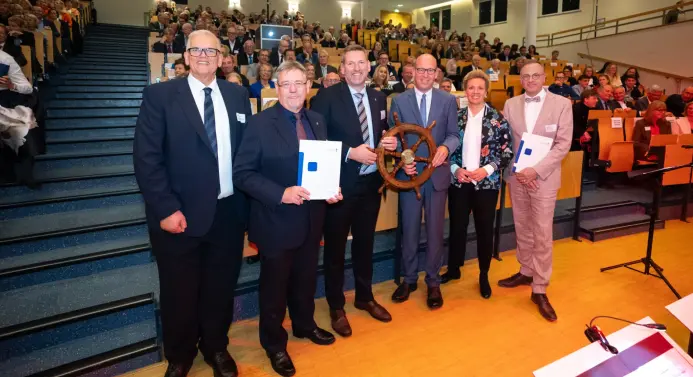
<point>533,190</point>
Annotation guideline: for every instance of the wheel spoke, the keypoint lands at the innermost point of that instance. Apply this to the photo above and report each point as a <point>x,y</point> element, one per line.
<point>416,145</point>
<point>402,137</point>
<point>396,169</point>
<point>393,153</point>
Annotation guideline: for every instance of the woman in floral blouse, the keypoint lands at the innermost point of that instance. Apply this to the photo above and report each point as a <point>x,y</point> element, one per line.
<point>485,149</point>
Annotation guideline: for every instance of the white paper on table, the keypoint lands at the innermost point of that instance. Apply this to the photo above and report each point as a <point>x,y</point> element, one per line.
<point>569,64</point>
<point>668,364</point>
<point>319,164</point>
<point>533,149</point>
<point>540,59</point>
<point>683,311</point>
<point>493,77</point>
<point>554,64</point>
<point>616,122</point>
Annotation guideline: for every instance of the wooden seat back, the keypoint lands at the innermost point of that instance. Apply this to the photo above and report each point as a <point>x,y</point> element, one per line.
<point>26,69</point>
<point>40,49</point>
<point>48,34</point>
<point>607,137</point>
<point>685,139</point>
<point>663,140</point>
<point>600,114</point>
<point>497,98</point>
<point>629,126</point>
<point>675,155</point>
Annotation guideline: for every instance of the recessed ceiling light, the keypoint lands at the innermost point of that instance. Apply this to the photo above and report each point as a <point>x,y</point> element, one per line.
<point>396,10</point>
<point>400,5</point>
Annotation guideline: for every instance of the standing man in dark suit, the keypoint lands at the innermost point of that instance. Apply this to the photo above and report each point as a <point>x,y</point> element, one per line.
<point>422,106</point>
<point>284,223</point>
<point>187,132</point>
<point>356,116</point>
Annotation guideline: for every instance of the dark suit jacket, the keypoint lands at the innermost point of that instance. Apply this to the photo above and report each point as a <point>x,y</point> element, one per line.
<point>490,56</point>
<point>642,135</point>
<point>267,164</point>
<point>274,57</point>
<point>318,70</point>
<point>174,163</point>
<point>675,105</point>
<point>14,50</point>
<point>237,46</point>
<point>580,114</point>
<point>399,87</point>
<point>243,58</point>
<point>161,47</point>
<point>337,106</point>
<point>610,105</point>
<point>504,58</point>
<point>466,70</point>
<point>302,58</point>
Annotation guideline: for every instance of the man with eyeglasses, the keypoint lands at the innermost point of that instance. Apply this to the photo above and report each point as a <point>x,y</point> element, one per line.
<point>422,106</point>
<point>323,68</point>
<point>533,190</point>
<point>188,134</point>
<point>284,223</point>
<point>248,56</point>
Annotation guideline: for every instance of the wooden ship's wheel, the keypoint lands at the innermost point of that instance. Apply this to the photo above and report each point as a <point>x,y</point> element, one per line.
<point>407,156</point>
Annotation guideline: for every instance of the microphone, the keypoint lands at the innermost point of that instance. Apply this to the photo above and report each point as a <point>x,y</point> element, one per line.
<point>595,334</point>
<point>687,146</point>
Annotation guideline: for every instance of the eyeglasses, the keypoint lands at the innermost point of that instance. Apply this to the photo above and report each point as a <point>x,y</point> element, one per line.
<point>534,77</point>
<point>197,52</point>
<point>430,71</point>
<point>287,84</point>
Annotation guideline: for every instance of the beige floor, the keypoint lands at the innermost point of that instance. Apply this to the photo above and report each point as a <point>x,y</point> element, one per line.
<point>504,336</point>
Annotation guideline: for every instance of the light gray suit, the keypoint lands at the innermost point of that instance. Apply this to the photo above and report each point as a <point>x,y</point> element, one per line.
<point>434,191</point>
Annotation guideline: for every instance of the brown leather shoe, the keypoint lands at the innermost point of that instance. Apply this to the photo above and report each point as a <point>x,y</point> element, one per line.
<point>545,308</point>
<point>340,323</point>
<point>515,281</point>
<point>376,310</point>
<point>435,298</point>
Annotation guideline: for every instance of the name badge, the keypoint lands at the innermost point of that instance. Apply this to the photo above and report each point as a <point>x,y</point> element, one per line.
<point>551,127</point>
<point>647,128</point>
<point>240,117</point>
<point>382,114</point>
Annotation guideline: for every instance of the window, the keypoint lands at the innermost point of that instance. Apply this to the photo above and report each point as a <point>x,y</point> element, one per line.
<point>491,11</point>
<point>559,6</point>
<point>446,19</point>
<point>440,18</point>
<point>435,19</point>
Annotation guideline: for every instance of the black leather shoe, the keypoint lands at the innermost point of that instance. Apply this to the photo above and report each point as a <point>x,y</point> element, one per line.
<point>450,275</point>
<point>435,298</point>
<point>545,308</point>
<point>402,292</point>
<point>484,286</point>
<point>317,336</point>
<point>515,281</point>
<point>281,363</point>
<point>177,370</point>
<point>340,323</point>
<point>222,364</point>
<point>376,310</point>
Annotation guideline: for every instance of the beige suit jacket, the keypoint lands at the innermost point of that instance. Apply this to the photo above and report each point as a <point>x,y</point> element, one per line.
<point>555,110</point>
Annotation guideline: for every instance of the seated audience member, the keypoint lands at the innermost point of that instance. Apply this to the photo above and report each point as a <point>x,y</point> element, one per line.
<point>523,52</point>
<point>554,55</point>
<point>323,68</point>
<point>343,41</point>
<point>446,85</point>
<point>632,71</point>
<point>621,100</point>
<point>264,80</point>
<point>233,42</point>
<point>506,55</point>
<point>652,123</point>
<point>289,56</point>
<point>532,50</point>
<point>440,76</point>
<point>228,66</point>
<point>653,94</point>
<point>612,73</point>
<point>182,37</point>
<point>583,84</point>
<point>330,79</point>
<point>308,55</point>
<point>262,58</point>
<point>589,72</point>
<point>7,45</point>
<point>384,60</point>
<point>438,53</point>
<point>475,66</point>
<point>234,78</point>
<point>494,69</point>
<point>630,84</point>
<point>519,63</point>
<point>277,54</point>
<point>310,75</point>
<point>488,53</point>
<point>248,56</point>
<point>676,102</point>
<point>180,68</point>
<point>605,101</point>
<point>497,45</point>
<point>328,40</point>
<point>168,44</point>
<point>559,87</point>
<point>683,124</point>
<point>161,23</point>
<point>451,68</point>
<point>407,77</point>
<point>569,79</point>
<point>410,60</point>
<point>381,80</point>
<point>581,111</point>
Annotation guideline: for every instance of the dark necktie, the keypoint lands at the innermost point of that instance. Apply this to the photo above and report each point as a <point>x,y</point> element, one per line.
<point>363,120</point>
<point>300,131</point>
<point>170,49</point>
<point>210,125</point>
<point>250,59</point>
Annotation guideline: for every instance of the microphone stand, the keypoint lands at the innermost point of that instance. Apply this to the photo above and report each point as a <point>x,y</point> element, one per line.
<point>654,213</point>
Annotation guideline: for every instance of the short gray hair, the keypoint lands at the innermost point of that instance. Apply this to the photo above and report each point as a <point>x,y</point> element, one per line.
<point>290,66</point>
<point>655,88</point>
<point>201,33</point>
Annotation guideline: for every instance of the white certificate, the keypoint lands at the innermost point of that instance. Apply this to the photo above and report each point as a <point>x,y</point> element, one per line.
<point>533,149</point>
<point>319,164</point>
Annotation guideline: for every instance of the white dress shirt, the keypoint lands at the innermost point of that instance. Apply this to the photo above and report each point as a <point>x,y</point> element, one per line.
<point>419,95</point>
<point>532,110</point>
<point>15,74</point>
<point>471,144</point>
<point>622,104</point>
<point>222,125</point>
<point>367,107</point>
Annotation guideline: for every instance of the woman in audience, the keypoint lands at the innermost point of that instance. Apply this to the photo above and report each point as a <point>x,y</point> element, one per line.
<point>532,50</point>
<point>380,80</point>
<point>519,63</point>
<point>438,52</point>
<point>589,72</point>
<point>451,68</point>
<point>494,69</point>
<point>569,78</point>
<point>683,124</point>
<point>328,41</point>
<point>581,137</point>
<point>485,149</point>
<point>653,123</point>
<point>264,80</point>
<point>180,69</point>
<point>601,81</point>
<point>310,74</point>
<point>612,73</point>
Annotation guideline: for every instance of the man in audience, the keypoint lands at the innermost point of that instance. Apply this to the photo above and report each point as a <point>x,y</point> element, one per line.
<point>581,111</point>
<point>677,102</point>
<point>233,42</point>
<point>228,66</point>
<point>330,79</point>
<point>481,41</point>
<point>582,85</point>
<point>621,100</point>
<point>310,75</point>
<point>506,55</point>
<point>554,55</point>
<point>559,87</point>
<point>475,66</point>
<point>168,44</point>
<point>262,58</point>
<point>304,38</point>
<point>322,69</point>
<point>289,56</point>
<point>410,60</point>
<point>284,223</point>
<point>180,68</point>
<point>182,38</point>
<point>384,60</point>
<point>407,77</point>
<point>654,93</point>
<point>196,215</point>
<point>488,53</point>
<point>248,56</point>
<point>11,48</point>
<point>606,102</point>
<point>308,55</point>
<point>630,84</point>
<point>277,54</point>
<point>446,85</point>
<point>343,41</point>
<point>161,24</point>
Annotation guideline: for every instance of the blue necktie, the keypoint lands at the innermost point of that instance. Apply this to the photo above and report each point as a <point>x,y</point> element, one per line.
<point>210,125</point>
<point>422,109</point>
<point>250,59</point>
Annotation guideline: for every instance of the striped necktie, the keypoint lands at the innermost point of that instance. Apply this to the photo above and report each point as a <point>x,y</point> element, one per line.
<point>363,120</point>
<point>210,123</point>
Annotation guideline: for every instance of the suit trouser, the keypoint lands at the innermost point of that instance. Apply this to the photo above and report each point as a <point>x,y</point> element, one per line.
<point>198,277</point>
<point>288,277</point>
<point>433,203</point>
<point>533,216</point>
<point>482,204</point>
<point>359,213</point>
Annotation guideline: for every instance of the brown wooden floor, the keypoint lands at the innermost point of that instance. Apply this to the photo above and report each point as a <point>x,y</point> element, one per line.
<point>503,336</point>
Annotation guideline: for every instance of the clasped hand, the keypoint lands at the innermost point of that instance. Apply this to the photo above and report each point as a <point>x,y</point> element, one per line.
<point>528,177</point>
<point>365,155</point>
<point>466,176</point>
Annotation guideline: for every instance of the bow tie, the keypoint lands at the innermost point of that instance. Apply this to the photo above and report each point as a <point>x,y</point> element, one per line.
<point>532,99</point>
